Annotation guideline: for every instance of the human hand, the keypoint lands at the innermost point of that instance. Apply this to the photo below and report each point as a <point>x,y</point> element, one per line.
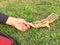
<point>19,24</point>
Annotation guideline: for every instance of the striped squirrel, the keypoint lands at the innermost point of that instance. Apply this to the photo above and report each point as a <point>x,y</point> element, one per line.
<point>44,22</point>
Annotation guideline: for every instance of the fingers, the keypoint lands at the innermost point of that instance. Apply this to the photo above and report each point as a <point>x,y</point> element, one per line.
<point>27,25</point>
<point>22,21</point>
<point>22,27</point>
<point>25,28</point>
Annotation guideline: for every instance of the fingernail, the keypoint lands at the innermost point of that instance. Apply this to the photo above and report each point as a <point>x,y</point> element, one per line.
<point>28,25</point>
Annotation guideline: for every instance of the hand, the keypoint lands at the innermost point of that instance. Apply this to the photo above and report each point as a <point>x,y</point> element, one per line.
<point>19,24</point>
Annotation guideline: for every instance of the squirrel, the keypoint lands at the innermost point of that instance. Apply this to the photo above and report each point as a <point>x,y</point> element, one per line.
<point>44,22</point>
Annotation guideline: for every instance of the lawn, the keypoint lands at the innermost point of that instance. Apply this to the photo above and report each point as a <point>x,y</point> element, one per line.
<point>32,10</point>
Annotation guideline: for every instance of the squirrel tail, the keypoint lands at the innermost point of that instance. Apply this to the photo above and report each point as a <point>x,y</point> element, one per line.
<point>52,17</point>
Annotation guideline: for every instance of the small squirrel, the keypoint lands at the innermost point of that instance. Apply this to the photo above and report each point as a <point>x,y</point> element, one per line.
<point>44,22</point>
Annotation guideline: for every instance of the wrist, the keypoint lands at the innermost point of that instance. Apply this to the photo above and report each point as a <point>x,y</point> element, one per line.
<point>9,20</point>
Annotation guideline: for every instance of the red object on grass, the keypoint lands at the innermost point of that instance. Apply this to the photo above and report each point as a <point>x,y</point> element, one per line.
<point>5,41</point>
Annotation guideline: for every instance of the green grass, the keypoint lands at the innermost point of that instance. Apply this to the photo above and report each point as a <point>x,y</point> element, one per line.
<point>32,10</point>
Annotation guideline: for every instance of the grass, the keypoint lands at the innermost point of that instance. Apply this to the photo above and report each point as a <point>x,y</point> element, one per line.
<point>32,10</point>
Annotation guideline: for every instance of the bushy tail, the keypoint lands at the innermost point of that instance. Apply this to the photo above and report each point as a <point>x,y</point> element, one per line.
<point>52,17</point>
